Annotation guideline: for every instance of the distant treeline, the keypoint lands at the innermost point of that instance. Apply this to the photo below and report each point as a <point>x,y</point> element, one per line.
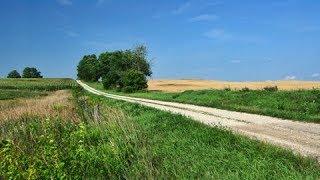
<point>28,72</point>
<point>124,70</point>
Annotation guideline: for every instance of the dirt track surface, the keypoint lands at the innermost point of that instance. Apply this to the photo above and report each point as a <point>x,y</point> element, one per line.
<point>303,138</point>
<point>182,85</point>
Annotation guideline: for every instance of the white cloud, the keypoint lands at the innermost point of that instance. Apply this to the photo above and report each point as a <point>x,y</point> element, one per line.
<point>204,17</point>
<point>182,8</point>
<point>290,77</point>
<point>217,34</point>
<point>64,2</point>
<point>315,75</point>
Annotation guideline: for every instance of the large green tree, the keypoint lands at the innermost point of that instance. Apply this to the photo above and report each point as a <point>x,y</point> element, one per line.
<point>114,68</point>
<point>88,68</point>
<point>31,72</point>
<point>14,74</point>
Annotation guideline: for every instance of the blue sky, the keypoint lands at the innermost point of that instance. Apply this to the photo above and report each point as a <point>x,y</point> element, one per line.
<point>209,39</point>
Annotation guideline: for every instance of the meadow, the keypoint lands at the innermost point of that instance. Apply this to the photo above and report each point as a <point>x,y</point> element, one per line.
<point>300,105</point>
<point>73,134</point>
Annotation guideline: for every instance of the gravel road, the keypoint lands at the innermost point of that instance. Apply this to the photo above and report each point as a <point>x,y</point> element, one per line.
<point>303,138</point>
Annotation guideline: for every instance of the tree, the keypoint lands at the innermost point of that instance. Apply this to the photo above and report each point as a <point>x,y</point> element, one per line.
<point>88,68</point>
<point>141,61</point>
<point>133,80</point>
<point>111,80</point>
<point>14,74</point>
<point>31,72</point>
<point>113,66</point>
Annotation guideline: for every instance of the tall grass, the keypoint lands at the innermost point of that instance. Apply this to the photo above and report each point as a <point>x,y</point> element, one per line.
<point>102,142</point>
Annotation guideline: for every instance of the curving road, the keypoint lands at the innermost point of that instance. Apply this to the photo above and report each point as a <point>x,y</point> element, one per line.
<point>303,138</point>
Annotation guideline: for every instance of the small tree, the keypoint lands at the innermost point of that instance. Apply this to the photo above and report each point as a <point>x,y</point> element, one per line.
<point>14,74</point>
<point>88,68</point>
<point>133,80</point>
<point>31,72</point>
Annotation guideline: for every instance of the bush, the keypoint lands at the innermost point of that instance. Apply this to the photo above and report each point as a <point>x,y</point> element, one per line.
<point>133,80</point>
<point>271,88</point>
<point>14,74</point>
<point>31,72</point>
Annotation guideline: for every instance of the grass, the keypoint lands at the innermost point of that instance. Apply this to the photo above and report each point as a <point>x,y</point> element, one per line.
<point>182,148</point>
<point>300,105</point>
<point>6,94</point>
<point>82,135</point>
<point>48,84</point>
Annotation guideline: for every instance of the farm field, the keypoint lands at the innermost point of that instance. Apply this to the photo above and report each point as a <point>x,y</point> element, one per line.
<point>71,133</point>
<point>300,105</point>
<point>48,84</point>
<point>183,85</point>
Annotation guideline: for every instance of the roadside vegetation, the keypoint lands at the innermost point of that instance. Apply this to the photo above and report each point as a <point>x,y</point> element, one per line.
<point>73,134</point>
<point>301,105</point>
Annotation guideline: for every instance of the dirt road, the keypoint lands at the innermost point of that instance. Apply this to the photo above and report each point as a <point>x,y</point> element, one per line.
<point>303,138</point>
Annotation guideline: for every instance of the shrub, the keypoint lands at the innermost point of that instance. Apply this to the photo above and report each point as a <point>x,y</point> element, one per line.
<point>31,72</point>
<point>133,80</point>
<point>271,88</point>
<point>227,89</point>
<point>14,74</point>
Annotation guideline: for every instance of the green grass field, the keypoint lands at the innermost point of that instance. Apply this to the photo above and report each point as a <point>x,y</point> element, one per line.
<point>88,136</point>
<point>48,84</point>
<point>301,105</point>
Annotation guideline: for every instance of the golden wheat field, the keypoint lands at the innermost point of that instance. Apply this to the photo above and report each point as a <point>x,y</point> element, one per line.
<point>182,85</point>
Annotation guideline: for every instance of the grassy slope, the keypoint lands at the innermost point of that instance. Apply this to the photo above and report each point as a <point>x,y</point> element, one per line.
<point>303,105</point>
<point>184,148</point>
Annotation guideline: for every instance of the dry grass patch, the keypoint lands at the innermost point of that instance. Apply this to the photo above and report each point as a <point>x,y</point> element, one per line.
<point>58,103</point>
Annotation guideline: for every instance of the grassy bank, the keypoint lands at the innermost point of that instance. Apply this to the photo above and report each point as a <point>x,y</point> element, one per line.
<point>81,135</point>
<point>301,105</point>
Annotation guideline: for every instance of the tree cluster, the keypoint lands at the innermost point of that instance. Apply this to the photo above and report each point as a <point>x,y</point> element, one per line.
<point>28,72</point>
<point>126,70</point>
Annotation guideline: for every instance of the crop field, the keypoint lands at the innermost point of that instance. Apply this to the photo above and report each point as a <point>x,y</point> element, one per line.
<point>48,84</point>
<point>183,85</point>
<point>300,105</point>
<point>70,133</point>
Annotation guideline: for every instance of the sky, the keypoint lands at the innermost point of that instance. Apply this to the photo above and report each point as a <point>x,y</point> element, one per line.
<point>247,40</point>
